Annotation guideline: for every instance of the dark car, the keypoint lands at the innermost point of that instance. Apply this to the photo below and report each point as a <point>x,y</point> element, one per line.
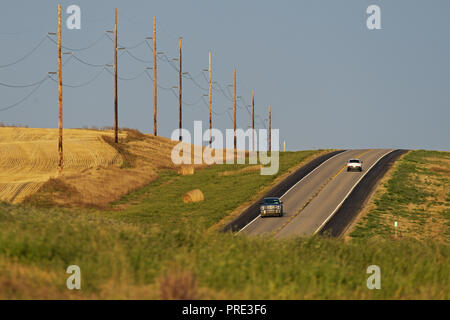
<point>271,206</point>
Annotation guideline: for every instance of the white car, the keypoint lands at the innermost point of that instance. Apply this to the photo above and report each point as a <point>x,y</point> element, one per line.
<point>354,164</point>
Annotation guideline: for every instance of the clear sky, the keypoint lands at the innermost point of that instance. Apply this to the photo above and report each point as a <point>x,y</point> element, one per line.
<point>332,83</point>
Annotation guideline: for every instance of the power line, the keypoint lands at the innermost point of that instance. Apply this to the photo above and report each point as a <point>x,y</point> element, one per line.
<point>82,84</point>
<point>189,76</point>
<point>197,75</point>
<point>169,62</point>
<point>80,49</point>
<point>223,92</point>
<point>229,116</point>
<point>204,77</point>
<point>196,83</point>
<point>165,88</point>
<point>26,55</point>
<point>159,86</point>
<point>222,113</point>
<point>166,58</point>
<point>136,58</point>
<point>88,63</point>
<point>261,121</point>
<point>132,78</point>
<point>134,46</point>
<point>127,79</point>
<point>19,33</point>
<point>214,112</point>
<point>149,46</point>
<point>67,60</point>
<point>26,97</point>
<point>95,65</point>
<point>21,86</point>
<point>228,90</point>
<point>192,103</point>
<point>127,47</point>
<point>246,106</point>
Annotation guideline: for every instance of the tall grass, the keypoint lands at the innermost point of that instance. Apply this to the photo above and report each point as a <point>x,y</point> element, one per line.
<point>109,250</point>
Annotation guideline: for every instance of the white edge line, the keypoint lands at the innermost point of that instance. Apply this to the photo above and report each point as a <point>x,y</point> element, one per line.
<point>345,198</point>
<point>294,186</point>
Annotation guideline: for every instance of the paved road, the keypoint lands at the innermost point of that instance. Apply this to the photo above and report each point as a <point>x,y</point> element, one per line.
<point>309,203</point>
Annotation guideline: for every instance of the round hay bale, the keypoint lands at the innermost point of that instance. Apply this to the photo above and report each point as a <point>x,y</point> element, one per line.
<point>193,196</point>
<point>186,170</point>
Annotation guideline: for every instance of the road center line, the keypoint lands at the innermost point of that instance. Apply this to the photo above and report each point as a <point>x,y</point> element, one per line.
<point>259,216</point>
<point>346,196</point>
<point>316,193</point>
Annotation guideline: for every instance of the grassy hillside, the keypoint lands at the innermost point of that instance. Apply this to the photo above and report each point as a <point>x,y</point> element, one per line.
<point>416,195</point>
<point>151,245</point>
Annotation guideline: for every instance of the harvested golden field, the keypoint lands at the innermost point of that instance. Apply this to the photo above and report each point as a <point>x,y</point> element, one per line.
<point>96,171</point>
<point>29,157</point>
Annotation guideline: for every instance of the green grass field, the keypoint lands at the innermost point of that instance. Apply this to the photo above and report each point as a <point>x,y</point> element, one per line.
<point>150,245</point>
<point>417,196</point>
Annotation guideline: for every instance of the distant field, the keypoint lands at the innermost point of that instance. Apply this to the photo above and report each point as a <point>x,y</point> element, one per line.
<point>96,171</point>
<point>29,157</point>
<point>416,194</point>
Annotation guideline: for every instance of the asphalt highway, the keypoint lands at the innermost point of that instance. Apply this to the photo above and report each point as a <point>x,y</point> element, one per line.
<point>311,202</point>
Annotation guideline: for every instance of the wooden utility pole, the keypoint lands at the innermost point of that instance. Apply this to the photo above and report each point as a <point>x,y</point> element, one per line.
<point>253,120</point>
<point>60,113</point>
<point>270,129</point>
<point>116,118</point>
<point>155,95</point>
<point>235,147</point>
<point>210,101</point>
<point>180,92</point>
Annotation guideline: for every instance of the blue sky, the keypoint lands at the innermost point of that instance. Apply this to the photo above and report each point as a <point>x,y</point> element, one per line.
<point>332,83</point>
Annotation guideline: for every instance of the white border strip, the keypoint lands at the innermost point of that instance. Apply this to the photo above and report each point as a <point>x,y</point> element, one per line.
<point>345,198</point>
<point>295,185</point>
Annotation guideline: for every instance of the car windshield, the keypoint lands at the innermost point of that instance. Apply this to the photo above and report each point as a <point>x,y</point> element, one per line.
<point>271,201</point>
<point>354,161</point>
